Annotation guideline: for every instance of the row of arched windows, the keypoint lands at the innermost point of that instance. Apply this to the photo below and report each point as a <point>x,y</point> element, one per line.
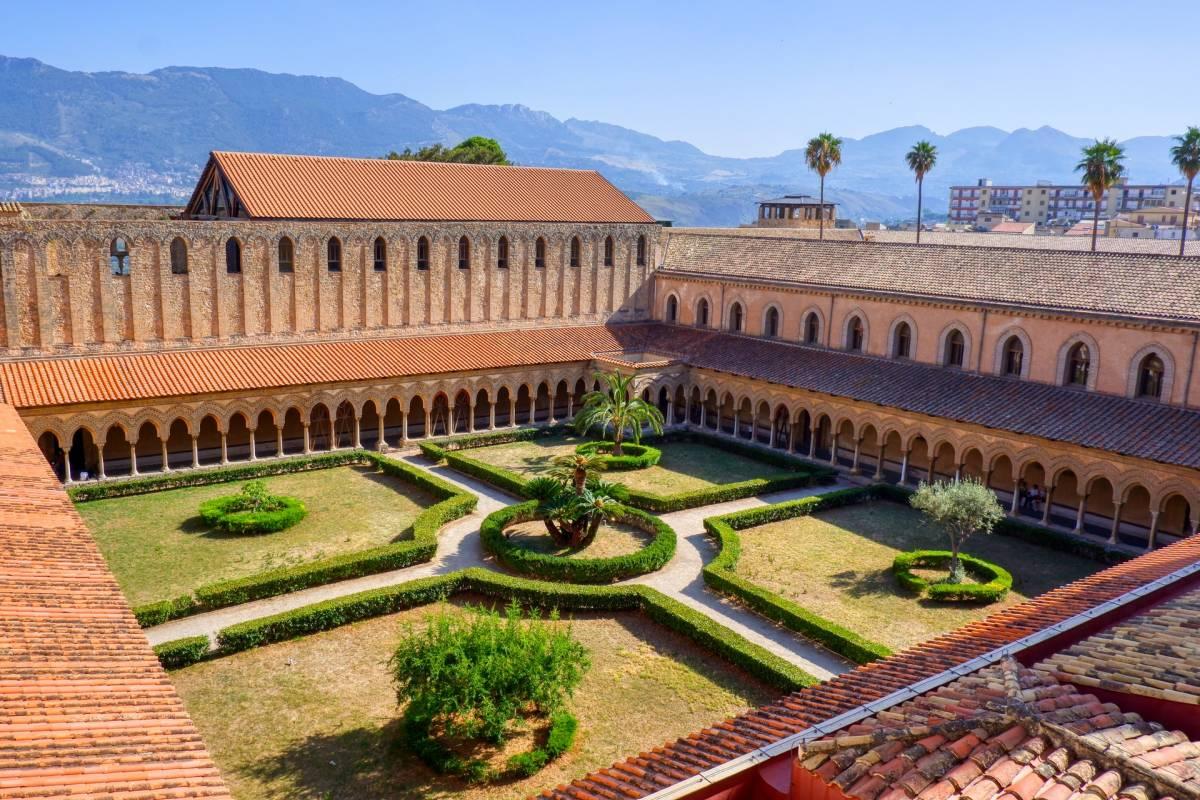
<point>1076,366</point>
<point>119,263</point>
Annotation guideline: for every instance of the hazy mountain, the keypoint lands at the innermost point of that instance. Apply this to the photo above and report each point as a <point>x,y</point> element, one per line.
<point>116,135</point>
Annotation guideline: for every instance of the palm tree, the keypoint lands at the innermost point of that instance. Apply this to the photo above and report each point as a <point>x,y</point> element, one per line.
<point>1186,156</point>
<point>576,469</point>
<point>1102,167</point>
<point>614,411</point>
<point>920,160</point>
<point>824,152</point>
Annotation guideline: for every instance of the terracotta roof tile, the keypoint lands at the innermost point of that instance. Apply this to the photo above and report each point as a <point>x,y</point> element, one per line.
<point>85,709</point>
<point>1103,283</point>
<point>320,187</point>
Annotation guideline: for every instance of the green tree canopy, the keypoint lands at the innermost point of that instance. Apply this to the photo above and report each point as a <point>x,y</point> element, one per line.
<point>615,411</point>
<point>1102,166</point>
<point>920,160</point>
<point>822,154</point>
<point>1186,156</point>
<point>474,150</point>
<point>961,509</point>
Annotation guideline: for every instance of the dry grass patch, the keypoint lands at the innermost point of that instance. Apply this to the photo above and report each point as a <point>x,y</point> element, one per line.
<point>612,539</point>
<point>317,717</point>
<point>838,564</point>
<point>158,547</point>
<point>684,467</point>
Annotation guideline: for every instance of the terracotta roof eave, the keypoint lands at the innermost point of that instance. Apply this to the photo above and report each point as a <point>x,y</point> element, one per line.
<point>256,218</point>
<point>1181,322</point>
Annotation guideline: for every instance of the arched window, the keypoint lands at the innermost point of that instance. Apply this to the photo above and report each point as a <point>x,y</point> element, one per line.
<point>118,257</point>
<point>539,253</point>
<point>956,349</point>
<point>855,334</point>
<point>608,251</point>
<point>380,254</point>
<point>672,309</point>
<point>1079,364</point>
<point>641,251</point>
<point>575,247</point>
<point>702,313</point>
<point>233,256</point>
<point>287,255</point>
<point>902,341</point>
<point>812,328</point>
<point>422,253</point>
<point>1014,357</point>
<point>333,255</point>
<point>179,257</point>
<point>736,317</point>
<point>771,323</point>
<point>464,253</point>
<point>502,253</point>
<point>1150,377</point>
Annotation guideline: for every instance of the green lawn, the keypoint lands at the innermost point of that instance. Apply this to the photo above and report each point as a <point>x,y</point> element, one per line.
<point>316,718</point>
<point>838,564</point>
<point>612,539</point>
<point>159,548</point>
<point>684,467</point>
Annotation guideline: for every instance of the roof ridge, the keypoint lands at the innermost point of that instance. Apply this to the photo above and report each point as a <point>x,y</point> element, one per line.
<point>384,159</point>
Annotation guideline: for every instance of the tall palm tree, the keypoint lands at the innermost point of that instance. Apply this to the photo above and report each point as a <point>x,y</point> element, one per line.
<point>824,152</point>
<point>920,160</point>
<point>615,410</point>
<point>1186,156</point>
<point>1102,167</point>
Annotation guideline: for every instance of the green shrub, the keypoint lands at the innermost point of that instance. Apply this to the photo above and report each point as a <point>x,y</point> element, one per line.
<point>435,448</point>
<point>695,625</point>
<point>560,737</point>
<point>151,614</point>
<point>252,511</point>
<point>634,456</point>
<point>994,584</point>
<point>182,652</point>
<point>577,570</point>
<point>721,576</point>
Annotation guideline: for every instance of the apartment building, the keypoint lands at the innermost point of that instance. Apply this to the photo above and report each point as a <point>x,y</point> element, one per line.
<point>1047,203</point>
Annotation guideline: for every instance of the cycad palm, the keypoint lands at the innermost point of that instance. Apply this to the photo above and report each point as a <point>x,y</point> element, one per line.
<point>615,411</point>
<point>1102,168</point>
<point>824,152</point>
<point>921,159</point>
<point>1186,155</point>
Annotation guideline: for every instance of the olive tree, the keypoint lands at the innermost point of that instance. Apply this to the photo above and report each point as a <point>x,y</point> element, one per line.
<point>961,509</point>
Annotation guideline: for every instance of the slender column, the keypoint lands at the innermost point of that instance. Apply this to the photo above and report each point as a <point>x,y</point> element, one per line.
<point>833,447</point>
<point>791,438</point>
<point>278,440</point>
<point>904,467</point>
<point>1079,515</point>
<point>1153,530</point>
<point>670,412</point>
<point>812,443</point>
<point>307,441</point>
<point>133,470</point>
<point>1049,502</point>
<point>67,479</point>
<point>703,415</point>
<point>379,432</point>
<point>958,468</point>
<point>428,433</point>
<point>512,412</point>
<point>100,452</point>
<point>854,470</point>
<point>1016,498</point>
<point>470,418</point>
<point>737,423</point>
<point>1116,523</point>
<point>771,442</point>
<point>166,461</point>
<point>224,449</point>
<point>357,432</point>
<point>403,427</point>
<point>879,463</point>
<point>253,447</point>
<point>492,416</point>
<point>195,451</point>
<point>570,405</point>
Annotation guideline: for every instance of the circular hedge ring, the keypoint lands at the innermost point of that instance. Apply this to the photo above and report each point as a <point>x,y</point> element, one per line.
<point>994,584</point>
<point>230,515</point>
<point>633,456</point>
<point>652,557</point>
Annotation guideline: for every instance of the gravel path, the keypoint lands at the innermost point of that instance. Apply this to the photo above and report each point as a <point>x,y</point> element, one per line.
<point>459,547</point>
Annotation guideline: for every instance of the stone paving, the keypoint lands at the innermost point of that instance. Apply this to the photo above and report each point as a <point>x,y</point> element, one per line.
<point>459,547</point>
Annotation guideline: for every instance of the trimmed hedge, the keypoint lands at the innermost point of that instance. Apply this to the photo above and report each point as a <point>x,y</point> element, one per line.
<point>470,441</point>
<point>633,456</point>
<point>719,574</point>
<point>798,473</point>
<point>995,585</point>
<point>419,547</point>
<point>182,652</point>
<point>577,570</point>
<point>216,514</point>
<point>667,612</point>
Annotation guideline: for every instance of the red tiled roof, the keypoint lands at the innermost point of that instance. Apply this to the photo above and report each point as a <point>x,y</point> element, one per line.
<point>1003,732</point>
<point>665,766</point>
<point>141,376</point>
<point>85,709</point>
<point>321,187</point>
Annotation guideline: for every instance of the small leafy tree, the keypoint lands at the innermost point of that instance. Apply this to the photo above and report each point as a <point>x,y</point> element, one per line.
<point>572,515</point>
<point>474,150</point>
<point>1102,167</point>
<point>615,411</point>
<point>961,509</point>
<point>476,674</point>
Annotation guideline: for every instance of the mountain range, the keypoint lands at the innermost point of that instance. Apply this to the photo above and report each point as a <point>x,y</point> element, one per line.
<point>118,136</point>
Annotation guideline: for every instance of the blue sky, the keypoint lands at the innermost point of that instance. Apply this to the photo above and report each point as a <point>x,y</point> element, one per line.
<point>738,79</point>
